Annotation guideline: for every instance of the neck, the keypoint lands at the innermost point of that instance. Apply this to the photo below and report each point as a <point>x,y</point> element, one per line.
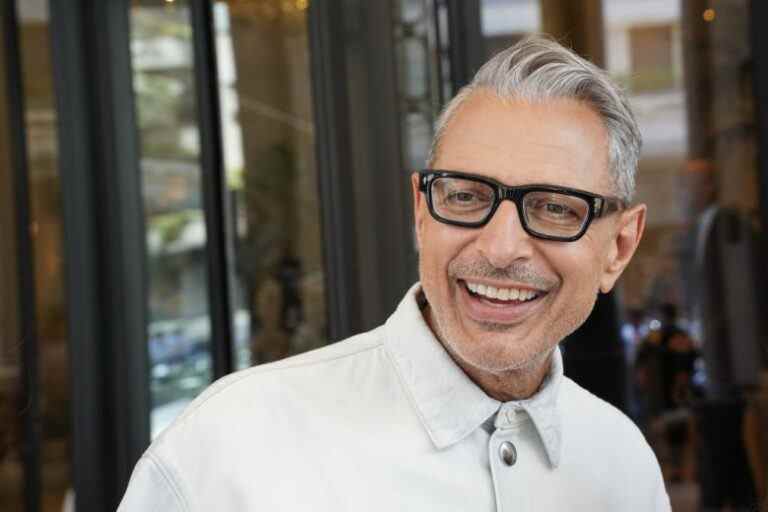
<point>509,385</point>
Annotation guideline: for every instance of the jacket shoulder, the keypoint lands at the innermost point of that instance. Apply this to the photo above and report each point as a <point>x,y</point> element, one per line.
<point>246,414</point>
<point>258,380</point>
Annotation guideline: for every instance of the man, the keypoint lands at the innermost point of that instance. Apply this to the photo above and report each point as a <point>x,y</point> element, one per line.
<point>458,401</point>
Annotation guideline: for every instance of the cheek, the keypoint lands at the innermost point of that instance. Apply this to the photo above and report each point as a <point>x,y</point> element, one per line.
<point>580,268</point>
<point>439,246</point>
<point>578,273</point>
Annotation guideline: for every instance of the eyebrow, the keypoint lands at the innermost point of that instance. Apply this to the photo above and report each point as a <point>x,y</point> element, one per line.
<point>536,184</point>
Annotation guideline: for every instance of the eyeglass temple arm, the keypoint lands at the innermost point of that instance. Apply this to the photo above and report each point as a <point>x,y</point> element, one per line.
<point>607,205</point>
<point>424,178</point>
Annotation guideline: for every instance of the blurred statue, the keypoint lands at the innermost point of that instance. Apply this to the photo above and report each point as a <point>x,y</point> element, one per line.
<point>311,333</point>
<point>271,341</point>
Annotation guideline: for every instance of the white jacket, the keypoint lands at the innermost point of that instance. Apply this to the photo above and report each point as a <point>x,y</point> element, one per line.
<point>387,421</point>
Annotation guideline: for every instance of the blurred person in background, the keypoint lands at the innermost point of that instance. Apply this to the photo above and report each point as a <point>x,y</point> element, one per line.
<point>664,372</point>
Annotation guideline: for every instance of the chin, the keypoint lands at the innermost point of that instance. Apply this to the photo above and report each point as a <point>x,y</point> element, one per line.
<point>495,356</point>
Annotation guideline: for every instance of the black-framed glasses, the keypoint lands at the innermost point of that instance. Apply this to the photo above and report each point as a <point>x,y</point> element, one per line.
<point>548,212</point>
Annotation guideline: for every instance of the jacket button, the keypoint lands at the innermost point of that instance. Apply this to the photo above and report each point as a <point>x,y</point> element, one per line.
<point>508,453</point>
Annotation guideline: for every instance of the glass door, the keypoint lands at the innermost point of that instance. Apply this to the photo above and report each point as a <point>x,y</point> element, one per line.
<point>268,135</point>
<point>179,330</point>
<point>35,397</point>
<point>262,156</point>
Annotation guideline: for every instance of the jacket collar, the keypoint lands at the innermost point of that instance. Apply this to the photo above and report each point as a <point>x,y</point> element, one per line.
<point>451,406</point>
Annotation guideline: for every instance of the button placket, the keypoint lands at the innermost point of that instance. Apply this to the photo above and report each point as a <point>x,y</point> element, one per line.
<point>508,453</point>
<point>503,449</point>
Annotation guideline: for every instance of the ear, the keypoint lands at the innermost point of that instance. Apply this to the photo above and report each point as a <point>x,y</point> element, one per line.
<point>626,237</point>
<point>419,207</point>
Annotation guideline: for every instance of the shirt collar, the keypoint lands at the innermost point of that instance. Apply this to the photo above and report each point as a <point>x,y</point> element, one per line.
<point>449,404</point>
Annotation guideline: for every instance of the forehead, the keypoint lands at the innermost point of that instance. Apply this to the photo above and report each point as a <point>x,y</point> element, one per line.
<point>557,142</point>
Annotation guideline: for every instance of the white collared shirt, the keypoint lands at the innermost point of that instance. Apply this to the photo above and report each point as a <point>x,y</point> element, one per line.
<point>387,421</point>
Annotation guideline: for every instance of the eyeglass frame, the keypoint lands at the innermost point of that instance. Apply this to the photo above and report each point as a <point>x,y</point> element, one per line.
<point>599,205</point>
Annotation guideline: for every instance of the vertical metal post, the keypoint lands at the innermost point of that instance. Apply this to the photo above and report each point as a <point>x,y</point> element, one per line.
<point>387,243</point>
<point>697,63</point>
<point>104,245</point>
<point>577,24</point>
<point>758,14</point>
<point>466,41</point>
<point>25,258</point>
<point>218,251</point>
<point>327,29</point>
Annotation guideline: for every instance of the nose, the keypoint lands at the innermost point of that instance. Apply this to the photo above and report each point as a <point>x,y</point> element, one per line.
<point>503,240</point>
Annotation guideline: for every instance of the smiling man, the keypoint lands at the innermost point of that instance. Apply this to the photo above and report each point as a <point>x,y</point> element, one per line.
<point>458,402</point>
<point>518,237</point>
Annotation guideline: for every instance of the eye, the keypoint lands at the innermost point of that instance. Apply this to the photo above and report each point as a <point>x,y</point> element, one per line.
<point>455,196</point>
<point>467,200</point>
<point>558,210</point>
<point>550,208</point>
<point>461,197</point>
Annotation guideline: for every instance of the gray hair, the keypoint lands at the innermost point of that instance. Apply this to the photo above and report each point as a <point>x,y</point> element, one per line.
<point>538,69</point>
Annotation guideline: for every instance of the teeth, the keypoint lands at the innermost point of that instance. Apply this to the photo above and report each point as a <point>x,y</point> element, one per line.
<point>507,294</point>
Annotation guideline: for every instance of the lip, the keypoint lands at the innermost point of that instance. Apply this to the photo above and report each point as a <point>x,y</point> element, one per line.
<point>483,312</point>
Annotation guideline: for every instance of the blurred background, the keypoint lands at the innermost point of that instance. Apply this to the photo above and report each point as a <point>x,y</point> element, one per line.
<point>192,187</point>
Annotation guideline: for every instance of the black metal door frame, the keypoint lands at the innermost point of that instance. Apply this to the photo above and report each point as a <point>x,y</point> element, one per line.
<point>465,36</point>
<point>219,249</point>
<point>758,15</point>
<point>104,245</point>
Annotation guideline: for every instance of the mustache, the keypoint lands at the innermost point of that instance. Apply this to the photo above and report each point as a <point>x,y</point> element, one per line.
<point>519,272</point>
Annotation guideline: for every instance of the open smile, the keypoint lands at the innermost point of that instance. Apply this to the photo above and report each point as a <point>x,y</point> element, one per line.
<point>485,303</point>
<point>501,295</point>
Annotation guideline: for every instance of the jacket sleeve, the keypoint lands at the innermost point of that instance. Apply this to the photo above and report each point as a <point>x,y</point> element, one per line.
<point>152,489</point>
<point>662,498</point>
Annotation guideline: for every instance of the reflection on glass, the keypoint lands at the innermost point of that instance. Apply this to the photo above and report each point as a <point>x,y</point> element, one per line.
<point>505,22</point>
<point>693,331</point>
<point>279,292</point>
<point>415,53</point>
<point>423,70</point>
<point>413,11</point>
<point>418,126</point>
<point>179,323</point>
<point>53,362</point>
<point>46,231</point>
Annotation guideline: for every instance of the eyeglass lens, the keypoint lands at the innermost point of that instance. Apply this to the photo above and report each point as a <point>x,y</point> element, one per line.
<point>548,213</point>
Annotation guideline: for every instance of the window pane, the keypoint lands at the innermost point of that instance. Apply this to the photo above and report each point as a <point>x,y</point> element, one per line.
<point>45,229</point>
<point>266,109</point>
<point>179,331</point>
<point>423,70</point>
